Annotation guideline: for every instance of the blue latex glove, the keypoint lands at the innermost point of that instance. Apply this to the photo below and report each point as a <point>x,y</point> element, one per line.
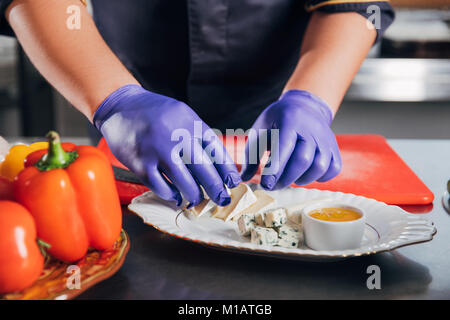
<point>307,148</point>
<point>138,126</point>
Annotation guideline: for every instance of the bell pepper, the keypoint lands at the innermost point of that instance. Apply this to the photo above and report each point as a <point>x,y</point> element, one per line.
<point>6,189</point>
<point>35,156</point>
<point>14,160</point>
<point>21,261</point>
<point>73,198</point>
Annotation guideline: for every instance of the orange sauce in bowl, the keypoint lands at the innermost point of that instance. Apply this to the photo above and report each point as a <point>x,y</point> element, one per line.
<point>335,214</point>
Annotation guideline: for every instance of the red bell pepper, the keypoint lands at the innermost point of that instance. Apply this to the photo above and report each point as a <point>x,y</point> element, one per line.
<point>6,189</point>
<point>73,198</point>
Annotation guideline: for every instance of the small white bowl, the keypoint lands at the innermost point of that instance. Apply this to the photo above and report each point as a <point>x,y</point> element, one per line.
<point>332,235</point>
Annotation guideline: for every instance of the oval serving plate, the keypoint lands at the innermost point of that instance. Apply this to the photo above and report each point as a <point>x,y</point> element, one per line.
<point>387,227</point>
<point>95,266</point>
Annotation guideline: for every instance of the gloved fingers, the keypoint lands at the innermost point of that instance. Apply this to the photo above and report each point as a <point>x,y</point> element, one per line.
<point>335,166</point>
<point>301,159</point>
<point>254,152</point>
<point>205,174</point>
<point>222,161</point>
<point>332,171</point>
<point>182,179</point>
<point>161,187</point>
<point>320,165</point>
<point>282,145</point>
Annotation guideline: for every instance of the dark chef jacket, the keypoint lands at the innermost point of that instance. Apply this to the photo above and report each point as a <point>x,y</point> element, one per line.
<point>227,59</point>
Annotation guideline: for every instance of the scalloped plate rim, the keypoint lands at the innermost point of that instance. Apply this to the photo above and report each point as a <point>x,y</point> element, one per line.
<point>297,254</point>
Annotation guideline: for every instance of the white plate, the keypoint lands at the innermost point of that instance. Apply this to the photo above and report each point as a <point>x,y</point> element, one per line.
<point>387,227</point>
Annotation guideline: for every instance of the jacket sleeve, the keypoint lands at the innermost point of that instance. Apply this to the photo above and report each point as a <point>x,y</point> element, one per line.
<point>366,8</point>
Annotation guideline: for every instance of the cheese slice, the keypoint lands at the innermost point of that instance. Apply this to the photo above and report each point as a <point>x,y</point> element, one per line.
<point>242,197</point>
<point>203,207</point>
<point>263,202</point>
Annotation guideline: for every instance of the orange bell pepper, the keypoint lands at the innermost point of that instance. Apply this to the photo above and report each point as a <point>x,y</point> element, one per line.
<point>35,156</point>
<point>73,198</point>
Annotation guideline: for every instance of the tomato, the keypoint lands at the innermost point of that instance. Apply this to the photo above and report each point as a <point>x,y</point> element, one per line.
<point>21,262</point>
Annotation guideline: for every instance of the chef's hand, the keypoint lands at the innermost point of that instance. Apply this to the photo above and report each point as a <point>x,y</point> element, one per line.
<point>307,148</point>
<point>140,128</point>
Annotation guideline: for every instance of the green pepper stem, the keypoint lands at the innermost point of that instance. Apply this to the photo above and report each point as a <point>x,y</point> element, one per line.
<point>56,158</point>
<point>44,247</point>
<point>43,244</point>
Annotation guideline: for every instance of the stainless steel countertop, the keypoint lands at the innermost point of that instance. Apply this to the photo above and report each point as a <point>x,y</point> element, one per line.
<point>401,80</point>
<point>159,266</point>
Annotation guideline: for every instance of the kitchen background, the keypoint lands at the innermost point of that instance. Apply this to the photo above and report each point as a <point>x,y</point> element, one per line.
<point>401,91</point>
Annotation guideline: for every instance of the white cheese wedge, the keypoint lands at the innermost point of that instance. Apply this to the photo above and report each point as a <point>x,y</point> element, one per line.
<point>207,205</point>
<point>246,223</point>
<point>264,236</point>
<point>242,197</point>
<point>263,202</point>
<point>275,217</point>
<point>294,212</point>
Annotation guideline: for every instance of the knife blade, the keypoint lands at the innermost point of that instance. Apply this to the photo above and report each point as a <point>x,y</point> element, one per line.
<point>125,175</point>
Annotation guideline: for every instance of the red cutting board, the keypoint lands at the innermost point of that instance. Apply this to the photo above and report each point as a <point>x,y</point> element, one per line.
<point>371,168</point>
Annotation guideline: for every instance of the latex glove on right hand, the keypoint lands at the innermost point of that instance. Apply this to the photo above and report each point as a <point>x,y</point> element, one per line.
<point>306,149</point>
<point>143,130</point>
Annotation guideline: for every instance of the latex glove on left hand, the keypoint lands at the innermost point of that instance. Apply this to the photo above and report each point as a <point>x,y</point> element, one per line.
<point>144,129</point>
<point>306,150</point>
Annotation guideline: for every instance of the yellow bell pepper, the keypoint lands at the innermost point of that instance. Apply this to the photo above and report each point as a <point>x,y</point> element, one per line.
<point>14,160</point>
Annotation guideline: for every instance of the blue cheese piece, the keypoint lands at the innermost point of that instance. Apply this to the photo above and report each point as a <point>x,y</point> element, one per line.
<point>289,237</point>
<point>264,236</point>
<point>275,218</point>
<point>287,231</point>
<point>288,243</point>
<point>246,223</point>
